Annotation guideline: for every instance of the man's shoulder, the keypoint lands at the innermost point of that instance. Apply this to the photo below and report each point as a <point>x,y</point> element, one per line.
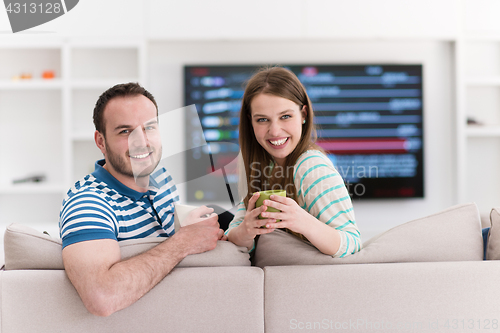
<point>91,188</point>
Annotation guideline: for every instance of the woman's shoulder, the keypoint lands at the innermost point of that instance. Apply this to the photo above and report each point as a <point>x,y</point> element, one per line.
<point>312,156</point>
<point>312,160</point>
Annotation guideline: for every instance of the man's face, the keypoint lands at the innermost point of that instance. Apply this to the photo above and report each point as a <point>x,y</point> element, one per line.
<point>132,144</point>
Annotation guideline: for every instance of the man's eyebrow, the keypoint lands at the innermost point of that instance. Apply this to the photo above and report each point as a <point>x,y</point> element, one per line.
<point>151,122</point>
<point>119,127</point>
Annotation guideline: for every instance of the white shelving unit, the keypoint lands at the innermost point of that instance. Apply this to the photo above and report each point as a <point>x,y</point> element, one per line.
<point>94,67</point>
<point>478,99</point>
<point>46,124</point>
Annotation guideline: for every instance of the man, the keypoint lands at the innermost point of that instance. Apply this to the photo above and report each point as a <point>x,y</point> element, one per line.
<point>124,199</point>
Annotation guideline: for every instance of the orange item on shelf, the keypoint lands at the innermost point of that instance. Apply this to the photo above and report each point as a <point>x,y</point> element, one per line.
<point>48,74</point>
<point>26,76</point>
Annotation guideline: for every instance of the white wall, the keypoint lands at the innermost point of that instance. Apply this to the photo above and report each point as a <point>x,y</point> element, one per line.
<point>291,19</point>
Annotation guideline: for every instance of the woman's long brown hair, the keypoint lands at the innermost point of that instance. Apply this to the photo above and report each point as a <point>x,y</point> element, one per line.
<point>280,82</point>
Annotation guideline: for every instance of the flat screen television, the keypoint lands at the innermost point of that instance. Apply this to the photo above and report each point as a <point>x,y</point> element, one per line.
<point>369,120</point>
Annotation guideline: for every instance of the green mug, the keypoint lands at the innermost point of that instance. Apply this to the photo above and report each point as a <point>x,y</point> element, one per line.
<point>265,195</point>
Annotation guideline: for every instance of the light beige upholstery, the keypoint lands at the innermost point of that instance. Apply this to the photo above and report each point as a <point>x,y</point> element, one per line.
<point>362,298</point>
<point>1,299</point>
<point>27,248</point>
<point>36,295</point>
<point>451,235</point>
<point>208,299</point>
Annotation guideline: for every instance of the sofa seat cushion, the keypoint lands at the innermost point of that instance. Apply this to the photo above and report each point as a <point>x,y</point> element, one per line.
<point>27,248</point>
<point>493,244</point>
<point>451,235</point>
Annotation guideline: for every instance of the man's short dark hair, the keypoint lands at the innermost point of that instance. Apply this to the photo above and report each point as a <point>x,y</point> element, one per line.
<point>120,90</point>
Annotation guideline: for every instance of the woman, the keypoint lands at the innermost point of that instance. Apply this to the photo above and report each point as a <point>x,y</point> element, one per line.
<point>278,151</point>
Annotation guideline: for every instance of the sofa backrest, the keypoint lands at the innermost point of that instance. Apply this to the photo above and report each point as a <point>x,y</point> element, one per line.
<point>453,234</point>
<point>27,248</point>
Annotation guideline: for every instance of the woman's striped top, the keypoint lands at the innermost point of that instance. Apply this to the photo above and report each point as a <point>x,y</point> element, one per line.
<point>321,192</point>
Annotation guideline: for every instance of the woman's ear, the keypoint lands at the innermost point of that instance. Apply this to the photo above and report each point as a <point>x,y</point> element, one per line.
<point>304,112</point>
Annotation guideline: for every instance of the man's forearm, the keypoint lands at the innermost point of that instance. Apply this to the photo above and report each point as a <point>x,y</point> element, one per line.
<point>107,284</point>
<point>138,275</point>
<point>110,290</point>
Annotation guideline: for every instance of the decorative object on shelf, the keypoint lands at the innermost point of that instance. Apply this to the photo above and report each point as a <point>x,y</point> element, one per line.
<point>48,74</point>
<point>26,76</point>
<point>473,121</point>
<point>30,179</point>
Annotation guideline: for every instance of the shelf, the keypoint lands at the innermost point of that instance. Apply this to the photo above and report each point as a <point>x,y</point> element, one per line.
<point>483,131</point>
<point>483,81</point>
<point>32,84</point>
<point>99,44</point>
<point>19,41</point>
<point>53,117</point>
<point>482,38</point>
<point>101,84</point>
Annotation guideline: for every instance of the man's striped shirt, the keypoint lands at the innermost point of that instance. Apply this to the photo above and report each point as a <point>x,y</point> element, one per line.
<point>321,192</point>
<point>100,207</point>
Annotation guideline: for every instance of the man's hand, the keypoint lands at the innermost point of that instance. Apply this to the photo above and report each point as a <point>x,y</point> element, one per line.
<point>201,235</point>
<point>201,214</point>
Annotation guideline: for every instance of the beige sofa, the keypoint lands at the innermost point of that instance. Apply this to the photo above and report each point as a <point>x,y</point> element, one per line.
<point>425,275</point>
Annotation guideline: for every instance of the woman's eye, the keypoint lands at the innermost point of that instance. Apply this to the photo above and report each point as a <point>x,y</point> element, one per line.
<point>124,132</point>
<point>260,120</point>
<point>286,116</point>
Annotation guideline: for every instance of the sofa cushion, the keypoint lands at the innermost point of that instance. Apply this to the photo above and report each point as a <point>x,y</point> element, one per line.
<point>27,248</point>
<point>493,247</point>
<point>451,235</point>
<point>375,298</point>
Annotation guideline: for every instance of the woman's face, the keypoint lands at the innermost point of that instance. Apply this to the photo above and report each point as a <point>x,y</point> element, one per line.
<point>277,124</point>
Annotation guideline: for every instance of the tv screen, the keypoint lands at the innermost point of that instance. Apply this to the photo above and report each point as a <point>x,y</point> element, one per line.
<point>369,120</point>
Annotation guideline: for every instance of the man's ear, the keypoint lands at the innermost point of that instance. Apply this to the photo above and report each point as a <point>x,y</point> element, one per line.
<point>100,141</point>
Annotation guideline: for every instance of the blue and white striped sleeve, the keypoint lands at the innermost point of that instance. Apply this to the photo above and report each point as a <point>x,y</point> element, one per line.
<point>86,216</point>
<point>321,191</point>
